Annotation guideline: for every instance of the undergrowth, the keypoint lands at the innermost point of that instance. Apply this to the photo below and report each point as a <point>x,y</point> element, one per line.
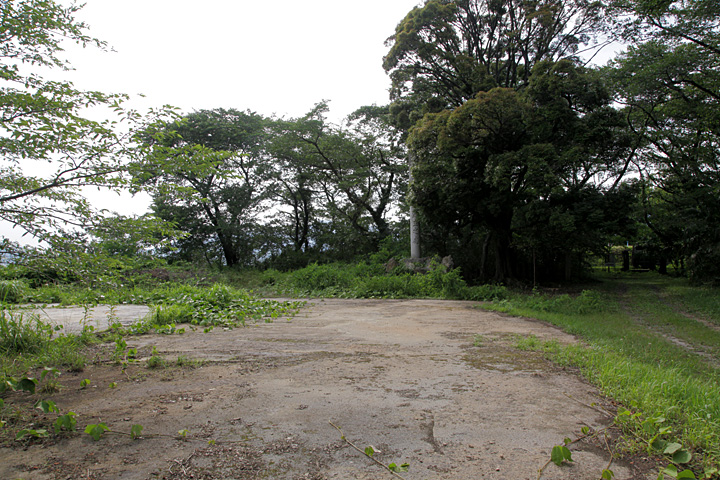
<point>364,280</point>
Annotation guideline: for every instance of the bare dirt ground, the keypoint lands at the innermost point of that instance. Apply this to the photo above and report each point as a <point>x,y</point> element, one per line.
<point>401,375</point>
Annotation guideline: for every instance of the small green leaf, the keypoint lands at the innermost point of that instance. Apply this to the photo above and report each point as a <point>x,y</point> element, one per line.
<point>560,453</point>
<point>47,406</point>
<point>682,456</point>
<point>670,470</point>
<point>112,385</point>
<point>135,431</point>
<point>27,432</point>
<point>686,474</point>
<point>659,445</point>
<point>567,441</point>
<point>96,431</point>
<point>49,371</point>
<point>585,430</point>
<point>84,383</point>
<point>401,468</point>
<point>27,384</point>
<point>607,474</point>
<point>66,422</point>
<point>672,448</point>
<point>369,451</point>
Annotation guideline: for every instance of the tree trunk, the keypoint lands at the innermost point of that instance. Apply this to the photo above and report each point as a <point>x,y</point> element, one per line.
<point>414,235</point>
<point>568,265</point>
<point>483,257</point>
<point>229,252</point>
<point>501,246</point>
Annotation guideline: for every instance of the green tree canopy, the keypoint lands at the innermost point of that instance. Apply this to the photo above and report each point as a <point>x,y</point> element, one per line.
<point>444,52</point>
<point>49,147</point>
<point>208,174</point>
<point>354,173</point>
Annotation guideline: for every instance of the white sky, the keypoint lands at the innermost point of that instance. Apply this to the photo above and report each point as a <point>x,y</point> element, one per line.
<point>277,57</point>
<point>273,57</point>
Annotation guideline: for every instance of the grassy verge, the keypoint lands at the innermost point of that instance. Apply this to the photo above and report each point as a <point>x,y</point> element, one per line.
<point>644,347</point>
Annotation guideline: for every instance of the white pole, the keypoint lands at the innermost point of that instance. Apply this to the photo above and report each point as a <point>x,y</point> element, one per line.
<point>414,226</point>
<point>414,235</point>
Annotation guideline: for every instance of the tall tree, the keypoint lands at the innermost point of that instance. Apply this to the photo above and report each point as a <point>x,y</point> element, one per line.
<point>49,149</point>
<point>669,81</point>
<point>208,174</point>
<point>354,172</point>
<point>506,162</point>
<point>446,51</point>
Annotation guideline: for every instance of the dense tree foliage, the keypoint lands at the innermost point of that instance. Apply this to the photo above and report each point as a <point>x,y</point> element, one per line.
<point>247,188</point>
<point>525,160</point>
<point>444,52</point>
<point>524,169</point>
<point>356,170</point>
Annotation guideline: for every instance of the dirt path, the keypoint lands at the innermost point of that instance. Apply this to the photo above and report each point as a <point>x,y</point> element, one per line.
<point>403,376</point>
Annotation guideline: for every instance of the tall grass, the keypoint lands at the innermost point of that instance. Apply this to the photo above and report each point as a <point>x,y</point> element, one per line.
<point>13,291</point>
<point>26,342</point>
<point>22,332</point>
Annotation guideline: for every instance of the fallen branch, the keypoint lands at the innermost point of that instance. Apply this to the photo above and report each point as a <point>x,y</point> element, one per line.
<point>342,436</point>
<point>597,409</point>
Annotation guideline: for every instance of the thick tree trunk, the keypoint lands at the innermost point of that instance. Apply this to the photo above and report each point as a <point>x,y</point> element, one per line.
<point>229,252</point>
<point>568,265</point>
<point>484,256</point>
<point>503,263</point>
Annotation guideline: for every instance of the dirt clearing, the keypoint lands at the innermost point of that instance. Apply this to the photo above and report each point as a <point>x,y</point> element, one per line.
<point>435,384</point>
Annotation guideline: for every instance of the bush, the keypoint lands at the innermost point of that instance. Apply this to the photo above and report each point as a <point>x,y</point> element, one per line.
<point>316,278</point>
<point>170,314</point>
<point>587,302</point>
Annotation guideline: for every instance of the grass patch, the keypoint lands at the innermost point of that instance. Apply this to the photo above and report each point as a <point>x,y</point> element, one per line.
<point>13,291</point>
<point>641,349</point>
<point>22,332</point>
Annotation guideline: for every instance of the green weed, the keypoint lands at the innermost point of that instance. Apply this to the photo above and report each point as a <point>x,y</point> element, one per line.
<point>22,332</point>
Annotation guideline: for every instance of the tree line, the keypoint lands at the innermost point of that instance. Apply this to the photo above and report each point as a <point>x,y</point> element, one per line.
<point>525,159</point>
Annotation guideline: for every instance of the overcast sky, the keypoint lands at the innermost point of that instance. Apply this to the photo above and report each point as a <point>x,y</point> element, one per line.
<point>277,57</point>
<point>273,57</point>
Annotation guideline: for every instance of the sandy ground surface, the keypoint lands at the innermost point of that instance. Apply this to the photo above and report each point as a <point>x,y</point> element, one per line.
<point>435,384</point>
